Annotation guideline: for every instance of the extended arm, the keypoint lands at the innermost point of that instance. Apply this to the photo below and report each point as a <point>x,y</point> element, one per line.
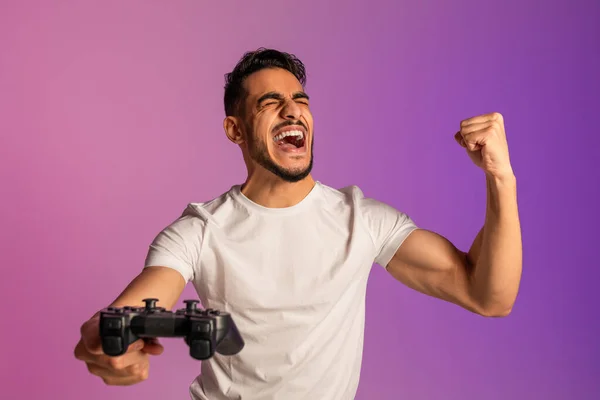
<point>163,283</point>
<point>168,267</point>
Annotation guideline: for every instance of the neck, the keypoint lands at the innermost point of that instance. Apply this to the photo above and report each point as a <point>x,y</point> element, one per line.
<point>274,192</point>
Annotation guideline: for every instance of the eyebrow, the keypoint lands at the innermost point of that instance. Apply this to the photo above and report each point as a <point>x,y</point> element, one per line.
<point>279,96</point>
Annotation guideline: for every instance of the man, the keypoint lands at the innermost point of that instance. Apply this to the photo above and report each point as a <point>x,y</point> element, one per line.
<point>289,257</point>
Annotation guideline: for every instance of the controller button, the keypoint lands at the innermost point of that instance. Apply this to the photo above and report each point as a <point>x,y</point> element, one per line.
<point>201,328</point>
<point>114,324</point>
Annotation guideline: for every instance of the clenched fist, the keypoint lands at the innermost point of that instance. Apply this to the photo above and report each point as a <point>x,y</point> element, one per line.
<point>484,138</point>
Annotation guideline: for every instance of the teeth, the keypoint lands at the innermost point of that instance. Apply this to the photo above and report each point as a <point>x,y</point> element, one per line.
<point>300,134</point>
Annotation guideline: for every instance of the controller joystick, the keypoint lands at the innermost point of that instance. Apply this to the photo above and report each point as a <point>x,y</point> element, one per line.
<point>206,332</point>
<point>190,305</point>
<point>150,304</point>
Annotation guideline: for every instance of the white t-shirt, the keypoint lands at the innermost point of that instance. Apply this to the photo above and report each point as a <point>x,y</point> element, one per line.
<point>294,280</point>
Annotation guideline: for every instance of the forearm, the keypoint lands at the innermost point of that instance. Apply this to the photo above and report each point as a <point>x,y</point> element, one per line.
<point>496,253</point>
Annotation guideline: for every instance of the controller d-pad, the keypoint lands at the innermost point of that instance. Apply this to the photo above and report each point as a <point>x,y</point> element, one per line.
<point>113,324</point>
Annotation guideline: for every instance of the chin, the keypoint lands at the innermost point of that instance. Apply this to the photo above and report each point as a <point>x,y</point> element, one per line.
<point>291,172</point>
<point>291,165</point>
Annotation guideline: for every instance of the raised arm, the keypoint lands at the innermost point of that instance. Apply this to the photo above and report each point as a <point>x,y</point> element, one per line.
<point>486,278</point>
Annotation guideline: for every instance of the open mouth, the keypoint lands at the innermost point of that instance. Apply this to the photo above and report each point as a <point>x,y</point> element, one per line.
<point>290,140</point>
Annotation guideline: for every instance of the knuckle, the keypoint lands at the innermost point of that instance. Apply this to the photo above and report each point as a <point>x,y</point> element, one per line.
<point>144,373</point>
<point>94,370</point>
<point>139,370</point>
<point>77,353</point>
<point>135,370</point>
<point>115,363</point>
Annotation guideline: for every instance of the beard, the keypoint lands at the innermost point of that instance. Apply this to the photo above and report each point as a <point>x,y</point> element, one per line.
<point>258,152</point>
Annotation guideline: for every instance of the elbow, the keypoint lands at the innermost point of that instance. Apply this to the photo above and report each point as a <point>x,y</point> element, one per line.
<point>493,309</point>
<point>496,311</point>
<point>493,306</point>
<point>499,313</point>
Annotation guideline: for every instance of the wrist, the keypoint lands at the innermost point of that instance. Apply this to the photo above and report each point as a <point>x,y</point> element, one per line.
<point>502,180</point>
<point>501,193</point>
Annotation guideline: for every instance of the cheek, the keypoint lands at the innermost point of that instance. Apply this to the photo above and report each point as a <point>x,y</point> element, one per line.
<point>308,119</point>
<point>264,125</point>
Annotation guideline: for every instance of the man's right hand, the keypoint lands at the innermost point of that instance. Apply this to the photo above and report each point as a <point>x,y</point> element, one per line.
<point>128,369</point>
<point>163,283</point>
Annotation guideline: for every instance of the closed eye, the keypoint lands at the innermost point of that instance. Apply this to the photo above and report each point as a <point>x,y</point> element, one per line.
<point>279,97</point>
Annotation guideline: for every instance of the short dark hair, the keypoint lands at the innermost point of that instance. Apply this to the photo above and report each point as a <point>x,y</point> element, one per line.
<point>254,61</point>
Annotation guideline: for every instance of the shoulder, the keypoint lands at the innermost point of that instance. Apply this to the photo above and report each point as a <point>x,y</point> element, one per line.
<point>353,196</point>
<point>376,214</point>
<point>195,218</point>
<point>350,195</point>
<point>210,212</point>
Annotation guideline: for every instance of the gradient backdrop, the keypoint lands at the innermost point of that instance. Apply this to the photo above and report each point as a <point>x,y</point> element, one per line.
<point>110,122</point>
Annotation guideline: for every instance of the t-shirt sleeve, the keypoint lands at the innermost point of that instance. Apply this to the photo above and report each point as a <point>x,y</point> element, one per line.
<point>388,227</point>
<point>178,247</point>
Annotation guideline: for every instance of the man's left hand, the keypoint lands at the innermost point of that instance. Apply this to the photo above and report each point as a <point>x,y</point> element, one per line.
<point>484,138</point>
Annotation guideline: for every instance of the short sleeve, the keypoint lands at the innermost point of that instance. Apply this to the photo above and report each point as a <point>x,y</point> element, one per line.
<point>388,228</point>
<point>178,247</point>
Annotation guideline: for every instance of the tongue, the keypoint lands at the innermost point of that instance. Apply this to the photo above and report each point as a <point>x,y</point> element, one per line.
<point>288,142</point>
<point>286,146</point>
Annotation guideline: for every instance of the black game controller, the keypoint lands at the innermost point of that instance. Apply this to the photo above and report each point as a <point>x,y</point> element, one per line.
<point>205,331</point>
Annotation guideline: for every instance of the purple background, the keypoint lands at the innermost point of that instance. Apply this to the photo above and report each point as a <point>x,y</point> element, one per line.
<point>110,121</point>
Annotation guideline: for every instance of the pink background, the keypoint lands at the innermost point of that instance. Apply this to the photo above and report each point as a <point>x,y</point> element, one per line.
<point>110,123</point>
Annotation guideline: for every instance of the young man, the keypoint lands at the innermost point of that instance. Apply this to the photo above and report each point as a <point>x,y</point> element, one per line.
<point>289,257</point>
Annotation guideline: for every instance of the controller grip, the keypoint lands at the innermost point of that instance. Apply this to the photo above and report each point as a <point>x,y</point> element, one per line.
<point>115,338</point>
<point>232,343</point>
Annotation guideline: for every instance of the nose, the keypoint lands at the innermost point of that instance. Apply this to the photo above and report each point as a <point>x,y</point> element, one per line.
<point>291,110</point>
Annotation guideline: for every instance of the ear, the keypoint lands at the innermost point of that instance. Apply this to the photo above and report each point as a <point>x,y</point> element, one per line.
<point>233,130</point>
